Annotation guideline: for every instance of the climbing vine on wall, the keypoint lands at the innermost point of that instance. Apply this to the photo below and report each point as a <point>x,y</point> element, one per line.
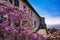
<point>15,24</point>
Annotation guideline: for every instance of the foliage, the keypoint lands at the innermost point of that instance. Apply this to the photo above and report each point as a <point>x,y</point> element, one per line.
<point>16,24</point>
<point>51,30</point>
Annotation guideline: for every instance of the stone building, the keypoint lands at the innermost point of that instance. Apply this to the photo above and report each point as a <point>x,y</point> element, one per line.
<point>38,21</point>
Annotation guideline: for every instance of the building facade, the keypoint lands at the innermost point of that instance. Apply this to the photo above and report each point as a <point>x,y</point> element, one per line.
<point>24,5</point>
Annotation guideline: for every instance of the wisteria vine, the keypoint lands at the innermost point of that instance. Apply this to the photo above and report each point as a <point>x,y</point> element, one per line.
<point>15,24</point>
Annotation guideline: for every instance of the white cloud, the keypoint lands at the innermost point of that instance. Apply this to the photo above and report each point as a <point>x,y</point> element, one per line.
<point>49,20</point>
<point>52,20</point>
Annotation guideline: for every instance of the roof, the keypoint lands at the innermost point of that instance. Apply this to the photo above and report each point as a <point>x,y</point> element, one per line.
<point>26,1</point>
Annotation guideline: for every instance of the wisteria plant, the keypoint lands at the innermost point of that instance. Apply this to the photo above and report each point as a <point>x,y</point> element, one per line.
<point>15,24</point>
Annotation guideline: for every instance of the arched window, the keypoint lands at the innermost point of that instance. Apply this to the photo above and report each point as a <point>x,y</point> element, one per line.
<point>17,23</point>
<point>24,8</point>
<point>16,3</point>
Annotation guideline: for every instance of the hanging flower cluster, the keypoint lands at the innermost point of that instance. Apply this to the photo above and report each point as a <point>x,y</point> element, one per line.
<point>15,24</point>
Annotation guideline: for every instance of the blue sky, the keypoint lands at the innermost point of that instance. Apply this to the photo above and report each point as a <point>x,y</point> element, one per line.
<point>50,9</point>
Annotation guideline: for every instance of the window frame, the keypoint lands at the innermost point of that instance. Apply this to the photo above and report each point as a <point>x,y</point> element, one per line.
<point>24,8</point>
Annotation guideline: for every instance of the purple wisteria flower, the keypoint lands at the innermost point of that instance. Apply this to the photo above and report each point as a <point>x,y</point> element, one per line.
<point>34,36</point>
<point>12,16</point>
<point>20,17</point>
<point>8,29</point>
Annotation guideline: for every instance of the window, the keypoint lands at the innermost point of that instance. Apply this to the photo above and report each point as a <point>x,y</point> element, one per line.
<point>31,13</point>
<point>24,8</point>
<point>35,23</point>
<point>10,1</point>
<point>16,3</point>
<point>17,23</point>
<point>24,22</point>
